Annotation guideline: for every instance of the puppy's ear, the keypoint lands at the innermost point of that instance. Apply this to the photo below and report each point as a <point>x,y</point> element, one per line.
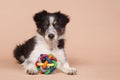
<point>63,19</point>
<point>39,17</point>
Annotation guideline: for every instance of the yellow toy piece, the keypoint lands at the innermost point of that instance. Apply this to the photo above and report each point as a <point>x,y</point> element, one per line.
<point>41,64</point>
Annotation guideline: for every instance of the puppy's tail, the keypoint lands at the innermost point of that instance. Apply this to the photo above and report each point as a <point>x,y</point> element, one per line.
<point>18,53</point>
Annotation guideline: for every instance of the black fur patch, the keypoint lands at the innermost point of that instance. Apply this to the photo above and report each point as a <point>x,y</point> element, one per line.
<point>41,22</point>
<point>62,19</point>
<point>61,43</point>
<point>39,18</point>
<point>24,50</point>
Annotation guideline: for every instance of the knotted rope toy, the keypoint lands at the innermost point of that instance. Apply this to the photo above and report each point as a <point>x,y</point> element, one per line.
<point>46,63</point>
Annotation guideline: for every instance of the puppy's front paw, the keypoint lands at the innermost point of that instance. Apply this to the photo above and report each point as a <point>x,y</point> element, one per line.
<point>31,70</point>
<point>71,71</point>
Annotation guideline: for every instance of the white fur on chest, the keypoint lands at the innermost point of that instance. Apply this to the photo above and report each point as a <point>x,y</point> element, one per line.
<point>40,48</point>
<point>43,47</point>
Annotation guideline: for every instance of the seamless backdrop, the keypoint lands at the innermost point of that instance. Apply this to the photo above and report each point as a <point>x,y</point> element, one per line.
<point>92,37</point>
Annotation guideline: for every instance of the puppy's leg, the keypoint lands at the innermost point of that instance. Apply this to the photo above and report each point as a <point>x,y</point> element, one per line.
<point>30,67</point>
<point>63,65</point>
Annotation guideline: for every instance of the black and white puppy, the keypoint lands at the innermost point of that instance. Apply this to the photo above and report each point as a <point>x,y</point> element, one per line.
<point>49,39</point>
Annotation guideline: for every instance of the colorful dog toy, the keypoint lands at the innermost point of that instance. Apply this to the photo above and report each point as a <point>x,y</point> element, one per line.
<point>46,64</point>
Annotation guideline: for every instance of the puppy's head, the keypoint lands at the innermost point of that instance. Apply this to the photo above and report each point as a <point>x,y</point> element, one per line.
<point>51,25</point>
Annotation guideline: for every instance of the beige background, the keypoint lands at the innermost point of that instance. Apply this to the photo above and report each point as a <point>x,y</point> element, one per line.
<point>93,37</point>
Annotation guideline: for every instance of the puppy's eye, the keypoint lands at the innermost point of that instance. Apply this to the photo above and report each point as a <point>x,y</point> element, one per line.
<point>54,23</point>
<point>46,24</point>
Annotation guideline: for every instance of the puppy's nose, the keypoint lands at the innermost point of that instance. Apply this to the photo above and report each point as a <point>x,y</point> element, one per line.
<point>51,36</point>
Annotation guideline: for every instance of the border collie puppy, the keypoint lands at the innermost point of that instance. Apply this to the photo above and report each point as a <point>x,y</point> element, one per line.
<point>49,39</point>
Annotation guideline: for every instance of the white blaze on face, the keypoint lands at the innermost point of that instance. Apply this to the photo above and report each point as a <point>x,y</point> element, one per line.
<point>51,19</point>
<point>51,29</point>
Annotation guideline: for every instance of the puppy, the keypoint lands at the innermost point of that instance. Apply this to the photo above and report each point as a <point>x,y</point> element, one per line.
<point>49,39</point>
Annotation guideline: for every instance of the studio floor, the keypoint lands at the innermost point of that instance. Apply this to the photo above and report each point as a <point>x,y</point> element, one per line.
<point>10,70</point>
